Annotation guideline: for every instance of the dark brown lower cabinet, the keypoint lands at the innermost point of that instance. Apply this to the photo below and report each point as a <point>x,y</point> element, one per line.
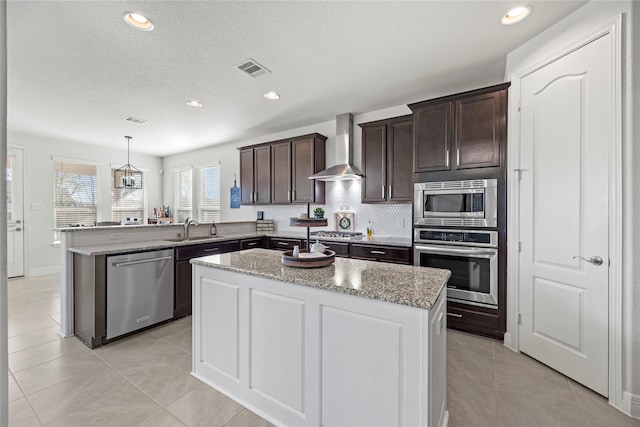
<point>341,249</point>
<point>478,320</point>
<point>183,275</point>
<point>258,242</point>
<point>395,254</point>
<point>285,244</point>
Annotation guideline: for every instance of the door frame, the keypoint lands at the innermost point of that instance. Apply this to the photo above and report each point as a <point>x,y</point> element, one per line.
<point>25,183</point>
<point>613,27</point>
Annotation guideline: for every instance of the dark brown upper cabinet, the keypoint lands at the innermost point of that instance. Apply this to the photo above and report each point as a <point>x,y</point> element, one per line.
<point>281,172</point>
<point>308,154</point>
<point>387,153</point>
<point>462,131</point>
<point>255,175</point>
<point>278,172</point>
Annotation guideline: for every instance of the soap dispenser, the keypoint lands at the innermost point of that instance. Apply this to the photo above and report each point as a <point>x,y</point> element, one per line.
<point>369,231</point>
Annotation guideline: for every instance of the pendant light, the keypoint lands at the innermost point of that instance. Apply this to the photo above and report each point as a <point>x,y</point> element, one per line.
<point>127,176</point>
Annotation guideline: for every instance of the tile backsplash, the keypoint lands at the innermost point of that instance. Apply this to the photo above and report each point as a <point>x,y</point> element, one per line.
<point>391,220</point>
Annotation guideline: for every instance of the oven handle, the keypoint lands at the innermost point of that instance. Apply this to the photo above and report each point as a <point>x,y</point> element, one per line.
<point>456,251</point>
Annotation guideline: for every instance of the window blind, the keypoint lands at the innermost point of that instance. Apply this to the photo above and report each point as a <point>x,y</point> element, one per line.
<point>75,194</point>
<point>207,192</point>
<point>184,195</point>
<point>126,202</point>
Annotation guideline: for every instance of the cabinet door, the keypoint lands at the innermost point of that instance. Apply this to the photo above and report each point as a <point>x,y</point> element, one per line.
<point>303,154</point>
<point>246,176</point>
<point>281,173</point>
<point>399,161</point>
<point>182,289</point>
<point>262,175</point>
<point>432,132</point>
<point>374,159</point>
<point>479,130</point>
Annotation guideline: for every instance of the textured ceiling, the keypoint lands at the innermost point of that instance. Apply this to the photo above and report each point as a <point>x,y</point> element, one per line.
<point>75,69</point>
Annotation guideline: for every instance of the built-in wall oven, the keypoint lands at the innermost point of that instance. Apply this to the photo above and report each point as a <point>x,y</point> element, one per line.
<point>472,257</point>
<point>467,203</point>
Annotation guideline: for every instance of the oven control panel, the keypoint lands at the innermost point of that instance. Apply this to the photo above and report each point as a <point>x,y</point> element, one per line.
<point>456,237</point>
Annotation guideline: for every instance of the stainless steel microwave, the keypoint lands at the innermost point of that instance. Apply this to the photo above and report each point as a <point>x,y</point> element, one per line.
<point>468,203</point>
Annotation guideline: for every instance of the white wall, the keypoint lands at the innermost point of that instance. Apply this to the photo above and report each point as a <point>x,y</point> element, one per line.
<point>578,24</point>
<point>386,218</point>
<point>41,257</point>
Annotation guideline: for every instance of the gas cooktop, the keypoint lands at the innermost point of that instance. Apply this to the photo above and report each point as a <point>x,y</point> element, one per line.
<point>352,235</point>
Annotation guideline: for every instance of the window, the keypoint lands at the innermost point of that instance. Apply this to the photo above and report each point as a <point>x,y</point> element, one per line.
<point>183,195</point>
<point>126,202</point>
<point>198,193</point>
<point>75,194</point>
<point>10,188</point>
<point>207,193</point>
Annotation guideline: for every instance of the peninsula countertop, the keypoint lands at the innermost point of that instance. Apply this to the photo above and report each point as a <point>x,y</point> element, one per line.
<point>412,286</point>
<point>124,247</point>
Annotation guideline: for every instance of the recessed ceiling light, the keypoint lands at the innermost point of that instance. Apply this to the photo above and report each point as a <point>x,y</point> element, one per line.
<point>271,96</point>
<point>138,21</point>
<point>194,103</point>
<point>516,14</point>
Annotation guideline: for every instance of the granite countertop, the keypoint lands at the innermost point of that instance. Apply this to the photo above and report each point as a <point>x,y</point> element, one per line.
<point>147,245</point>
<point>409,285</point>
<point>375,240</point>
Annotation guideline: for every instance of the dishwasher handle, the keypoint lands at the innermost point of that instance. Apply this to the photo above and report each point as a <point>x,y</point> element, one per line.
<point>140,261</point>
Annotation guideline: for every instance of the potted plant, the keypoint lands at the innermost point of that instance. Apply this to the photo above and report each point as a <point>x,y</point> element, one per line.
<point>318,213</point>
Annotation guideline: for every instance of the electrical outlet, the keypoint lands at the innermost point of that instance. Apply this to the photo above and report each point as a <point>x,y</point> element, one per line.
<point>400,222</point>
<point>37,206</point>
<point>115,236</point>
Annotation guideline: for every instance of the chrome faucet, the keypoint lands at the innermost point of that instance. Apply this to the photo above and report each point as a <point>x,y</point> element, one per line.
<point>187,222</point>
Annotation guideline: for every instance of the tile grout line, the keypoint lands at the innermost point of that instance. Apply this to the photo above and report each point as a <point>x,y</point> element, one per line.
<point>495,381</point>
<point>575,396</point>
<point>164,408</point>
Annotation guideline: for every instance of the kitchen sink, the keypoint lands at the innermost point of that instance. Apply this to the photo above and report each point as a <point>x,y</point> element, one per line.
<point>189,239</point>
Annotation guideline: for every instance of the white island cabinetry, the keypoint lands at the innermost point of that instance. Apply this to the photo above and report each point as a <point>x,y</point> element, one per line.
<point>285,344</point>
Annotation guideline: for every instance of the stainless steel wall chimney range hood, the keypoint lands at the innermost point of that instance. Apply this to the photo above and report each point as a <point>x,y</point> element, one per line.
<point>344,143</point>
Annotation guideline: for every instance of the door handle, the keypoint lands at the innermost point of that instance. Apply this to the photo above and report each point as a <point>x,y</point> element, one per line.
<point>18,221</point>
<point>18,229</point>
<point>595,260</point>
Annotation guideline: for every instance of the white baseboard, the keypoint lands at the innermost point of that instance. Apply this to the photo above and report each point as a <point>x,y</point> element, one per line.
<point>43,271</point>
<point>508,341</point>
<point>630,404</point>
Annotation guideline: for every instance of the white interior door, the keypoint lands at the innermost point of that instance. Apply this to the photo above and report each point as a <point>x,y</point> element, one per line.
<point>566,122</point>
<point>15,211</point>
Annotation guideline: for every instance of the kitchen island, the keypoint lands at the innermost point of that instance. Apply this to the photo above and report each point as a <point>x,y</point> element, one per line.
<point>356,343</point>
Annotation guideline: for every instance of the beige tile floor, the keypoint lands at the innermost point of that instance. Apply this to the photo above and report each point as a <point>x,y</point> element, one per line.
<point>144,380</point>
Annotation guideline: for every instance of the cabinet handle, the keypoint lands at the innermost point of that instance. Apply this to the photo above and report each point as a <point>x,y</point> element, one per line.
<point>252,243</point>
<point>140,261</point>
<point>283,243</point>
<point>289,196</point>
<point>255,197</point>
<point>390,192</point>
<point>454,315</point>
<point>212,249</point>
<point>457,156</point>
<point>293,195</point>
<point>446,158</point>
<point>383,191</point>
<point>378,252</point>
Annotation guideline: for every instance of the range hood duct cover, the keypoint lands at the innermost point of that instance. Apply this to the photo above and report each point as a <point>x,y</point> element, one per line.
<point>344,142</point>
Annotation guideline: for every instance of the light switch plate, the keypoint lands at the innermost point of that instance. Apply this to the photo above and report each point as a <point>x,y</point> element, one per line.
<point>37,206</point>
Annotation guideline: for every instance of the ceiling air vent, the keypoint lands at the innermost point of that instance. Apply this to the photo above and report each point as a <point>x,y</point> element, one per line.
<point>252,68</point>
<point>135,120</point>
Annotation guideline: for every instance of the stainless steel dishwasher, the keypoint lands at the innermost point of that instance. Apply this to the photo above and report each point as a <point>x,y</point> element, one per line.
<point>139,291</point>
